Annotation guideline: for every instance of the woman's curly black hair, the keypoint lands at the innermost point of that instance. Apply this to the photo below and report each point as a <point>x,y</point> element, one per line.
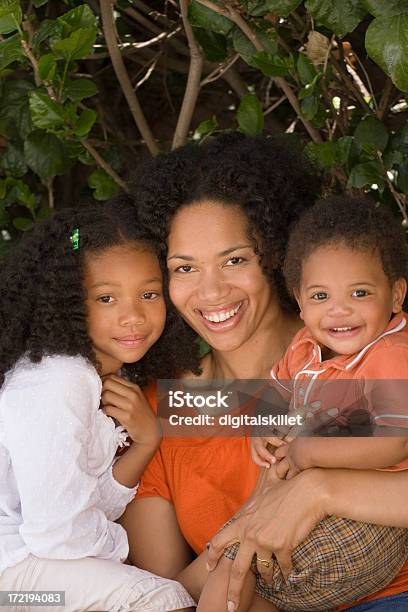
<point>43,309</point>
<point>356,222</point>
<point>267,177</point>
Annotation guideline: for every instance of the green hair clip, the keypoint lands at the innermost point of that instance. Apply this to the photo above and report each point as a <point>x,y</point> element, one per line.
<point>75,239</point>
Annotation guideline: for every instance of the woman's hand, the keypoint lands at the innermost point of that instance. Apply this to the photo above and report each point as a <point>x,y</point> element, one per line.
<point>126,402</point>
<point>276,520</point>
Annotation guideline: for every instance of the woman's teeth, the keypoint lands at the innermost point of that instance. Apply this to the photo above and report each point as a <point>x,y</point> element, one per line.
<point>222,316</point>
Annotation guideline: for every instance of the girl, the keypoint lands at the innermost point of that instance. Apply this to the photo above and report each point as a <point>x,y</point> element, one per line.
<point>83,300</point>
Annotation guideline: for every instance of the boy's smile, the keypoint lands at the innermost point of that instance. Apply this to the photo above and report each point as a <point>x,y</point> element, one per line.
<point>346,300</point>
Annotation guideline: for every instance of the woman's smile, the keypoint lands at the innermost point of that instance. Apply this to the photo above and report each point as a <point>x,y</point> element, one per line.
<point>217,285</point>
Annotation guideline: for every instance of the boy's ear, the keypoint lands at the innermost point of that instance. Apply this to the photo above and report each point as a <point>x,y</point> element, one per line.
<point>299,301</point>
<point>399,291</point>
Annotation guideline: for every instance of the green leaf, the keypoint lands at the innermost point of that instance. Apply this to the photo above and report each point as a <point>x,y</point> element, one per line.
<point>256,8</point>
<point>8,6</point>
<point>323,154</point>
<point>386,42</point>
<point>344,145</point>
<point>47,67</point>
<point>78,45</point>
<point>250,116</point>
<point>205,128</point>
<point>385,8</point>
<point>402,177</point>
<point>13,162</point>
<point>391,158</point>
<point>23,224</point>
<point>45,154</point>
<point>202,17</point>
<point>45,113</point>
<point>338,16</point>
<point>305,69</point>
<point>79,89</point>
<point>270,65</point>
<point>368,173</point>
<point>15,118</point>
<point>79,17</point>
<point>104,186</point>
<point>38,3</point>
<point>49,29</point>
<point>247,50</point>
<point>18,191</point>
<point>282,7</point>
<point>371,135</point>
<point>10,51</point>
<point>11,21</point>
<point>85,123</point>
<point>213,45</point>
<point>309,107</point>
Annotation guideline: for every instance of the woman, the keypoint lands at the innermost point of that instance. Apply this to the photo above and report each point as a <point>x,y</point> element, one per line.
<point>223,211</point>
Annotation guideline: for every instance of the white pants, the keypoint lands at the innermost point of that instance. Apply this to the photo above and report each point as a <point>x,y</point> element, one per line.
<point>94,584</point>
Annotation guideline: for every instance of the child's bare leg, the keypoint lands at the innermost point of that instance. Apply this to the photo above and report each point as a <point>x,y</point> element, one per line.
<point>214,594</point>
<point>194,576</point>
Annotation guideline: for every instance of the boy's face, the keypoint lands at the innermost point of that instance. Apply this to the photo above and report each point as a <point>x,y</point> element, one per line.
<point>345,298</point>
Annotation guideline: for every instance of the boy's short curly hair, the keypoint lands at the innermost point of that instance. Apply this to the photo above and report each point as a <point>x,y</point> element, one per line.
<point>355,222</point>
<point>43,310</point>
<point>268,178</point>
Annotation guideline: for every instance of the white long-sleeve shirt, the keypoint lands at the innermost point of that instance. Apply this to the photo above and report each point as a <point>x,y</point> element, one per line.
<point>58,497</point>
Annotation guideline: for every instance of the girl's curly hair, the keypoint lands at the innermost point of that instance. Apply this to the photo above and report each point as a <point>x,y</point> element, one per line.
<point>43,309</point>
<point>267,177</point>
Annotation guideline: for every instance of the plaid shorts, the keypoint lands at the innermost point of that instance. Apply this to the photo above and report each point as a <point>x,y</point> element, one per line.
<point>340,562</point>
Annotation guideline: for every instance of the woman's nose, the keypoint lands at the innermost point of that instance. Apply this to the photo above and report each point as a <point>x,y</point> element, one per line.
<point>212,287</point>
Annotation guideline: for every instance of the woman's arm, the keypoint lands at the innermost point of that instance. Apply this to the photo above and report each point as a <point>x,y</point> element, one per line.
<point>284,512</point>
<point>155,540</point>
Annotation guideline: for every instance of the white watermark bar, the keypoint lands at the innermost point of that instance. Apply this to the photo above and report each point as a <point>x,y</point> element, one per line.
<point>17,599</point>
<point>307,406</point>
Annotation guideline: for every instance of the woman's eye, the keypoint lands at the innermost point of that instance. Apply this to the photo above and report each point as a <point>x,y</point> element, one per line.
<point>319,296</point>
<point>150,295</point>
<point>233,261</point>
<point>359,293</point>
<point>105,299</point>
<point>183,269</point>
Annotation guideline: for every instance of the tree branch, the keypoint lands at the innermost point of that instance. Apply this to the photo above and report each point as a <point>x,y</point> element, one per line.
<point>103,164</point>
<point>108,24</point>
<point>230,13</point>
<point>193,81</point>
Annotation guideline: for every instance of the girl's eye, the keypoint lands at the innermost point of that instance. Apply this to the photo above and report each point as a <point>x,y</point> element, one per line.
<point>359,293</point>
<point>319,296</point>
<point>233,261</point>
<point>184,269</point>
<point>105,299</point>
<point>150,295</point>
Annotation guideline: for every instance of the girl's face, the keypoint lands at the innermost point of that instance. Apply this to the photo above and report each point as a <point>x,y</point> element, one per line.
<point>216,281</point>
<point>126,308</point>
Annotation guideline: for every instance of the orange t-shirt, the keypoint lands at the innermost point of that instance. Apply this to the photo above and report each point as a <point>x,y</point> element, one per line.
<point>207,480</point>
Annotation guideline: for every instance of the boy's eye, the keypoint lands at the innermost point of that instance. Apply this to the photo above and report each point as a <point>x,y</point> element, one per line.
<point>150,295</point>
<point>233,261</point>
<point>105,299</point>
<point>319,296</point>
<point>359,293</point>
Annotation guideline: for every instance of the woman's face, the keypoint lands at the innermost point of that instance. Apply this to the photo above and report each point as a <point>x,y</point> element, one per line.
<point>216,281</point>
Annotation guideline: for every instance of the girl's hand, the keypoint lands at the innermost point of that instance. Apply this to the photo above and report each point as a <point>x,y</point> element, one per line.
<point>126,402</point>
<point>279,518</point>
<point>260,452</point>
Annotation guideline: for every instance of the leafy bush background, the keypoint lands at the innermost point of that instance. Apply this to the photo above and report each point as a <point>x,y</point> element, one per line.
<point>87,89</point>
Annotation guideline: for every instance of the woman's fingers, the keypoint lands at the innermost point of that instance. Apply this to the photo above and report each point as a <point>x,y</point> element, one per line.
<point>264,563</point>
<point>239,569</point>
<point>224,538</point>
